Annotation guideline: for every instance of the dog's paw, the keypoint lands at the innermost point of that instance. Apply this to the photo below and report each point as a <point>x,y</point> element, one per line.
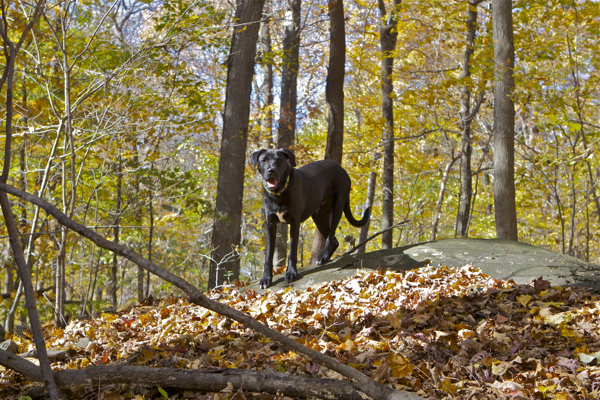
<point>322,260</point>
<point>265,282</point>
<point>291,275</point>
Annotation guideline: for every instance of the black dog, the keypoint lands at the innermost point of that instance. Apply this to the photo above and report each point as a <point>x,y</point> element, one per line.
<point>320,189</point>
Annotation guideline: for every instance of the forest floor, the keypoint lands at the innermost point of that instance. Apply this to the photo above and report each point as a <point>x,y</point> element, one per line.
<point>441,332</point>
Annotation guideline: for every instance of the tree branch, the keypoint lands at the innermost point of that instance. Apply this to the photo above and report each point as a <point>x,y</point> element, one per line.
<point>352,250</point>
<point>236,379</point>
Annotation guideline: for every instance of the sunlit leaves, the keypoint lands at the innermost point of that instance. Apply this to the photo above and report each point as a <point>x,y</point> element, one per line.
<point>438,331</point>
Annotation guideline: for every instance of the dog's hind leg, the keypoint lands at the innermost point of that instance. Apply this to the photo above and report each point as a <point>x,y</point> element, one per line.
<point>322,221</point>
<point>329,225</point>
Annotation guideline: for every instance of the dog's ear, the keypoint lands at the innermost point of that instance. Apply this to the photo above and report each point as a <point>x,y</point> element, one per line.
<point>290,156</point>
<point>254,157</point>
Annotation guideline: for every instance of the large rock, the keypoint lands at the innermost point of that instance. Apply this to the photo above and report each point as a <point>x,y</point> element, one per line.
<point>502,259</point>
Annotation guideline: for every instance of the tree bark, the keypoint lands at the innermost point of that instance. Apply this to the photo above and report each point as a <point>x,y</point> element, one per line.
<point>388,36</point>
<point>150,244</point>
<point>11,313</point>
<point>504,121</point>
<point>115,262</point>
<point>440,201</point>
<point>466,174</point>
<point>230,186</point>
<point>334,88</point>
<point>267,64</point>
<point>334,96</point>
<point>359,381</point>
<point>286,131</point>
<point>188,379</point>
<point>138,219</point>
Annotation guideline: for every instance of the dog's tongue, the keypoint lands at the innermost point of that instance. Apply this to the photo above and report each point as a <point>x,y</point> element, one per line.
<point>272,182</point>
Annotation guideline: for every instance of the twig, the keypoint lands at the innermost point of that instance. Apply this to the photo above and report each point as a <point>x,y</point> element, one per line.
<point>352,250</point>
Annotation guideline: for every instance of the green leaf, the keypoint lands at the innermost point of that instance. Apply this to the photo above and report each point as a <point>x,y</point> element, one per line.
<point>163,393</point>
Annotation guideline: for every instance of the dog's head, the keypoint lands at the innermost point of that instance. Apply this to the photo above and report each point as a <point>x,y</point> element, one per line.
<point>274,166</point>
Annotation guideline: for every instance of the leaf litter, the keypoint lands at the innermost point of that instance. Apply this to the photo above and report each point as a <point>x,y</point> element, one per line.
<point>444,333</point>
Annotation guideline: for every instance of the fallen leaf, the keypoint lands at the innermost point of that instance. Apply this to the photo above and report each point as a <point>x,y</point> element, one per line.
<point>448,387</point>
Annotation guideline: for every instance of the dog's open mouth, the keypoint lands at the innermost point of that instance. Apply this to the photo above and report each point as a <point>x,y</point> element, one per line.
<point>271,182</point>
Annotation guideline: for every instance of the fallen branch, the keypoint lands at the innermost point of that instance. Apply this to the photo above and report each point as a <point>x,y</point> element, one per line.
<point>190,379</point>
<point>53,355</point>
<point>352,250</point>
<point>361,382</point>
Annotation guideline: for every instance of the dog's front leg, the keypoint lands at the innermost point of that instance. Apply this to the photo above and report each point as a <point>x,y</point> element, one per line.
<point>291,274</point>
<point>271,232</point>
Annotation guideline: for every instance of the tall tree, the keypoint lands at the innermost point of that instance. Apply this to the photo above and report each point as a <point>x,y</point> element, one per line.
<point>388,36</point>
<point>334,89</point>
<point>286,131</point>
<point>504,121</point>
<point>466,181</point>
<point>334,96</point>
<point>230,185</point>
<point>267,89</point>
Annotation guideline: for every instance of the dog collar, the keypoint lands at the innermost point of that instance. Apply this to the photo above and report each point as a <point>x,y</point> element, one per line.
<point>274,192</point>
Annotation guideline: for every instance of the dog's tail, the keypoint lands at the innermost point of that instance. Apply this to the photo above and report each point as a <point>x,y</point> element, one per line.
<point>365,218</point>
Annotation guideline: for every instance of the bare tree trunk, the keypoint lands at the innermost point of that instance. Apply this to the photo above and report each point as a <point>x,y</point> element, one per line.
<point>10,323</point>
<point>26,242</point>
<point>440,201</point>
<point>59,282</point>
<point>388,36</point>
<point>286,131</point>
<point>139,221</point>
<point>234,141</point>
<point>115,263</point>
<point>334,89</point>
<point>504,121</point>
<point>484,155</point>
<point>334,96</point>
<point>571,250</point>
<point>150,244</point>
<point>140,284</point>
<point>87,294</point>
<point>364,231</point>
<point>466,180</point>
<point>267,64</point>
<point>59,279</point>
<point>68,199</point>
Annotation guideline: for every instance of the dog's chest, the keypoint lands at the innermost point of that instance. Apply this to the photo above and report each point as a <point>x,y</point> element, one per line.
<point>282,214</point>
